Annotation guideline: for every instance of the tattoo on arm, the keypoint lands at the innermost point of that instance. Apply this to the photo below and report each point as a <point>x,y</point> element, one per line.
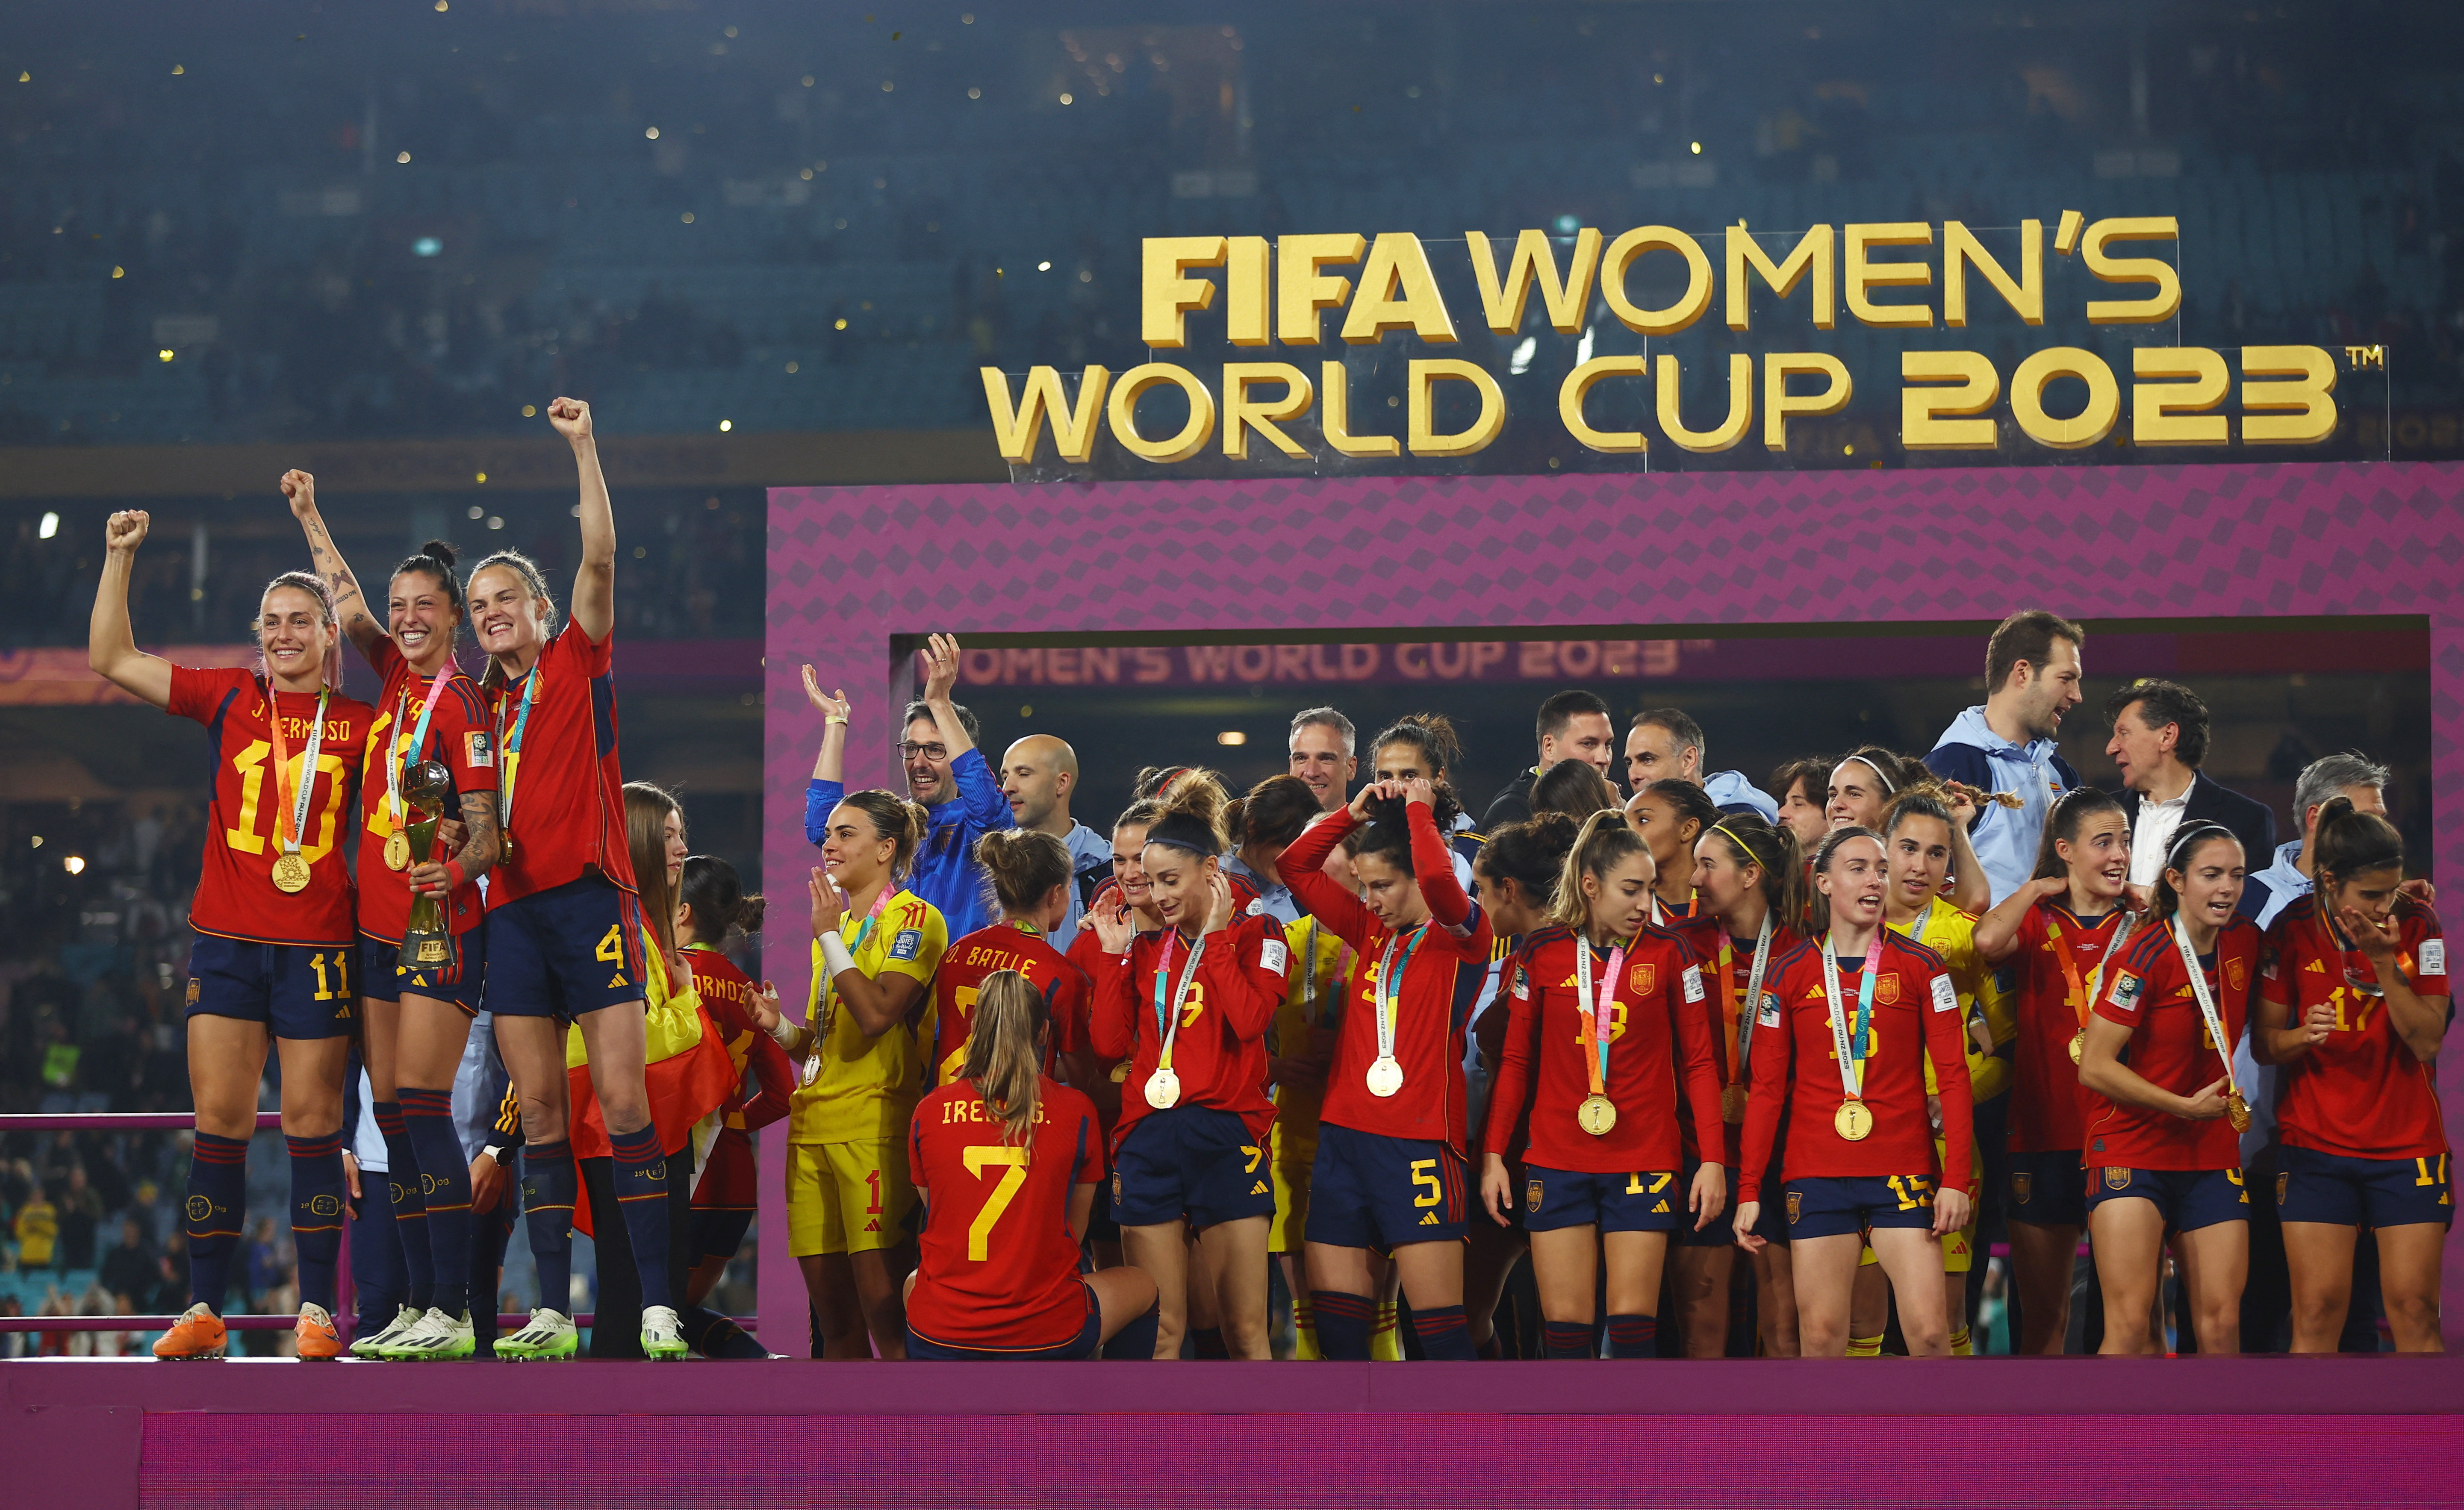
<point>479,819</point>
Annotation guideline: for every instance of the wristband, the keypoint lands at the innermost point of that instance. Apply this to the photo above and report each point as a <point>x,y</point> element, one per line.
<point>495,1153</point>
<point>833,719</point>
<point>454,876</point>
<point>835,951</point>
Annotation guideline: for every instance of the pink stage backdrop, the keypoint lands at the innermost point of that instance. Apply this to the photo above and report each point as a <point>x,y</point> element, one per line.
<point>852,566</point>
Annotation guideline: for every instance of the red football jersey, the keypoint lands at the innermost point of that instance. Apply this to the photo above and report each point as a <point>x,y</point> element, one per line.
<point>1447,970</point>
<point>2147,990</point>
<point>1726,1006</point>
<point>2044,1082</point>
<point>1003,946</point>
<point>727,1180</point>
<point>461,734</point>
<point>1219,1050</point>
<point>567,815</point>
<point>237,897</point>
<point>1659,1035</point>
<point>1796,1069</point>
<point>996,1265</point>
<point>2360,1093</point>
<point>1489,1032</point>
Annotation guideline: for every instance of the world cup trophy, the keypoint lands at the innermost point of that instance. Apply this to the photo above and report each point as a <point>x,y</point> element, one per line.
<point>428,943</point>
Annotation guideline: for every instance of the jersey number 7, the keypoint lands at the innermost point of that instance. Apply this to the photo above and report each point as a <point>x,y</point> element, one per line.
<point>1012,1163</point>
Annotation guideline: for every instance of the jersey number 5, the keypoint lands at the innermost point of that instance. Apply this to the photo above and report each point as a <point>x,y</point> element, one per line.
<point>1012,1163</point>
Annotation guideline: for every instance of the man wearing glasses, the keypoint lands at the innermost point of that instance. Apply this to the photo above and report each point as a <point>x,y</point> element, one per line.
<point>962,798</point>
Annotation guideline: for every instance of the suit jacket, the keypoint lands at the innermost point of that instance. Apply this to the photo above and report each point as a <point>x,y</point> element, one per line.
<point>2252,822</point>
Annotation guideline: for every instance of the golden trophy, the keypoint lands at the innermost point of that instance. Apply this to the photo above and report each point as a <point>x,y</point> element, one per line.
<point>428,943</point>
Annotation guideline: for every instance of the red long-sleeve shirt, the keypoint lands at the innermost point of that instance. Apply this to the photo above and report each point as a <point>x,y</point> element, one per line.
<point>1443,980</point>
<point>730,1180</point>
<point>1220,1054</point>
<point>1659,1035</point>
<point>1915,1014</point>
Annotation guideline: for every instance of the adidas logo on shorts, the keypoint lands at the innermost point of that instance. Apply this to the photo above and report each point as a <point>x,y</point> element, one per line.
<point>1260,1189</point>
<point>1660,1210</point>
<point>1429,1220</point>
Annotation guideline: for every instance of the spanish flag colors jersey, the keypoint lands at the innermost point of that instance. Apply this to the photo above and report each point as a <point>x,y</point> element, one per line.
<point>237,897</point>
<point>460,736</point>
<point>1951,934</point>
<point>2147,990</point>
<point>867,1088</point>
<point>1002,946</point>
<point>1219,1050</point>
<point>725,1179</point>
<point>2360,1093</point>
<point>567,814</point>
<point>1797,1066</point>
<point>996,1265</point>
<point>1659,1035</point>
<point>1443,968</point>
<point>1311,1009</point>
<point>2045,1096</point>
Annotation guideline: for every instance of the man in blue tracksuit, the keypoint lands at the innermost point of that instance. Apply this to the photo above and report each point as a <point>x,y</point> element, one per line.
<point>2032,678</point>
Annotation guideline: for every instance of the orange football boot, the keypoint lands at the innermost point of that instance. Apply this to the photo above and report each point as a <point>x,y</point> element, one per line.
<point>319,1341</point>
<point>198,1333</point>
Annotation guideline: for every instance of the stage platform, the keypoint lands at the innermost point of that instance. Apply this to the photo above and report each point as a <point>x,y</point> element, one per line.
<point>2384,1432</point>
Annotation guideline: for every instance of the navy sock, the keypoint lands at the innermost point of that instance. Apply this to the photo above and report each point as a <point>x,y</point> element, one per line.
<point>1633,1336</point>
<point>379,1287</point>
<point>1444,1335</point>
<point>217,1199</point>
<point>642,1194</point>
<point>1566,1338</point>
<point>316,1214</point>
<point>549,1180</point>
<point>715,1336</point>
<point>1208,1341</point>
<point>445,1179</point>
<point>1137,1340</point>
<point>404,1189</point>
<point>1344,1321</point>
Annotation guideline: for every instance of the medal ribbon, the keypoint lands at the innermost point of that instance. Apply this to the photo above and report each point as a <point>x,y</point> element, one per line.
<point>1741,1019</point>
<point>1597,1020</point>
<point>830,986</point>
<point>295,802</point>
<point>1390,985</point>
<point>1852,1052</point>
<point>2207,1001</point>
<point>418,736</point>
<point>508,747</point>
<point>2083,998</point>
<point>1168,1014</point>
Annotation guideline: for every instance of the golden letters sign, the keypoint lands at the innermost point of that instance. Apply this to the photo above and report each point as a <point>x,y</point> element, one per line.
<point>1305,291</point>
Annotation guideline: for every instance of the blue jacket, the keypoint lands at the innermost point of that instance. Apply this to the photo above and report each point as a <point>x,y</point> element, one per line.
<point>1091,865</point>
<point>945,874</point>
<point>1731,793</point>
<point>2005,838</point>
<point>2264,893</point>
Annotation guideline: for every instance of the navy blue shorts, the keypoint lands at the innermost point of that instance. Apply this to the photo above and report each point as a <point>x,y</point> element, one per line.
<point>383,977</point>
<point>2048,1189</point>
<point>565,952</point>
<point>1193,1162</point>
<point>1723,1231</point>
<point>2189,1198</point>
<point>1644,1200</point>
<point>1088,1341</point>
<point>1367,1191</point>
<point>718,1234</point>
<point>1828,1208</point>
<point>2364,1192</point>
<point>299,991</point>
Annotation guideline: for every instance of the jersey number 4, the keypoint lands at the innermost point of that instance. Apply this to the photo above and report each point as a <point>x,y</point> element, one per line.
<point>1012,1164</point>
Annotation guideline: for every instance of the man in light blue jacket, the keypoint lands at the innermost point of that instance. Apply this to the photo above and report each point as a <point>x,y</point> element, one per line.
<point>2032,678</point>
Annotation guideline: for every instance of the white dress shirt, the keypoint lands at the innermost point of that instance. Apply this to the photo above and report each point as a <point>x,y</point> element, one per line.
<point>2152,833</point>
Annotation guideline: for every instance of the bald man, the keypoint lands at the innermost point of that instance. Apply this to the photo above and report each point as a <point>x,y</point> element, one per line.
<point>1037,774</point>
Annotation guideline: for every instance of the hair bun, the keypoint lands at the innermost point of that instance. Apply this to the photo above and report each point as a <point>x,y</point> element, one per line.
<point>748,913</point>
<point>442,550</point>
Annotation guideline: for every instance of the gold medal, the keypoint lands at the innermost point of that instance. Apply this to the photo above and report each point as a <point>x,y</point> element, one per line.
<point>2078,1044</point>
<point>2237,1112</point>
<point>290,872</point>
<point>505,844</point>
<point>1733,1103</point>
<point>1121,1073</point>
<point>397,850</point>
<point>1386,1076</point>
<point>1854,1120</point>
<point>1596,1115</point>
<point>1163,1089</point>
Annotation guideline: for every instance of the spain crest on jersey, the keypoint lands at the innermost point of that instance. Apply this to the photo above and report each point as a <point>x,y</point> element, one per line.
<point>2237,972</point>
<point>1644,979</point>
<point>1887,987</point>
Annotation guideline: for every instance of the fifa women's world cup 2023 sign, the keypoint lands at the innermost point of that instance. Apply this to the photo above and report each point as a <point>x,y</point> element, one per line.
<point>1639,330</point>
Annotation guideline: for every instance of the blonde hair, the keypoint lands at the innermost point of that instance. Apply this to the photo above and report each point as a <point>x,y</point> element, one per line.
<point>1607,840</point>
<point>1004,1057</point>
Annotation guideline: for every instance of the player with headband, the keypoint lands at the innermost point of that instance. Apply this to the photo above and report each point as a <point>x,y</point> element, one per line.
<point>1841,1040</point>
<point>2163,1111</point>
<point>1868,779</point>
<point>1745,879</point>
<point>417,1015</point>
<point>1394,1127</point>
<point>1188,1007</point>
<point>1607,1021</point>
<point>2353,1003</point>
<point>2058,934</point>
<point>273,953</point>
